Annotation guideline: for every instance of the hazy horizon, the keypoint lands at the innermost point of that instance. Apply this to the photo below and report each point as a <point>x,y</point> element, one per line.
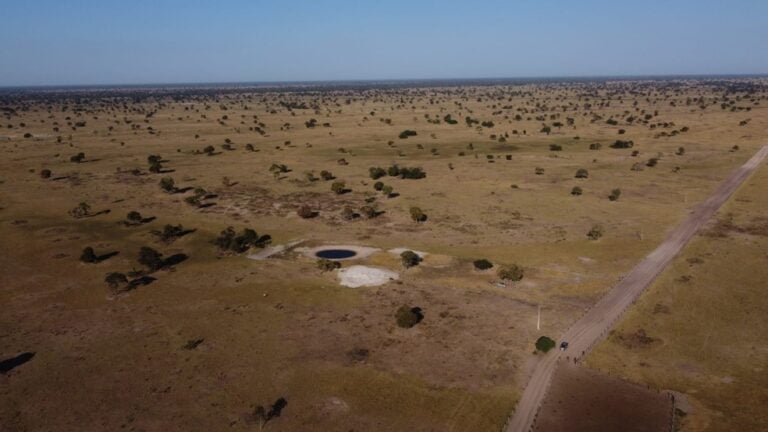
<point>113,43</point>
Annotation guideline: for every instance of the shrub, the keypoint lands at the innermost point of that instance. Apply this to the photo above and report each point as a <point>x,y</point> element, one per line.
<point>680,151</point>
<point>168,185</point>
<point>88,255</point>
<point>368,212</point>
<point>305,212</point>
<point>77,158</point>
<point>327,265</point>
<point>347,214</point>
<point>326,175</point>
<point>407,133</point>
<point>595,232</point>
<point>378,186</point>
<point>249,147</point>
<point>150,258</point>
<point>619,144</point>
<point>82,210</point>
<point>230,241</point>
<point>45,173</point>
<point>482,264</point>
<point>412,173</point>
<point>539,171</point>
<point>387,190</point>
<point>417,215</point>
<point>410,259</point>
<point>512,273</point>
<point>376,172</point>
<point>393,171</point>
<point>134,217</point>
<point>115,280</point>
<point>595,146</point>
<point>582,173</point>
<point>169,233</point>
<point>652,162</point>
<point>544,344</point>
<point>555,147</point>
<point>576,191</point>
<point>408,317</point>
<point>339,187</point>
<point>615,194</point>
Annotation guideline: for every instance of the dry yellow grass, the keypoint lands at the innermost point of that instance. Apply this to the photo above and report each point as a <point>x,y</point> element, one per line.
<point>280,327</point>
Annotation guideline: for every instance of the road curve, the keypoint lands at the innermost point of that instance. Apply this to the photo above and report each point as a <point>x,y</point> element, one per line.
<point>591,327</point>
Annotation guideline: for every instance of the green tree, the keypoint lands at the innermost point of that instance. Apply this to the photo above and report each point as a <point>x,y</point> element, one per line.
<point>512,273</point>
<point>544,344</point>
<point>410,258</point>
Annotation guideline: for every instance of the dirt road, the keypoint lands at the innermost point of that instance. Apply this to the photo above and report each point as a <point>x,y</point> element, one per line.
<point>596,323</point>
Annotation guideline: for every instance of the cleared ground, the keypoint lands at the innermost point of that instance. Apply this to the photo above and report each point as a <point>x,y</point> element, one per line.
<point>581,400</point>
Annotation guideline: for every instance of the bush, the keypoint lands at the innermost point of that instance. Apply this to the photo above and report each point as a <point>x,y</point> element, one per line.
<point>169,233</point>
<point>88,256</point>
<point>376,172</point>
<point>230,241</point>
<point>168,185</point>
<point>482,264</point>
<point>45,174</point>
<point>576,191</point>
<point>652,162</point>
<point>582,173</point>
<point>327,265</point>
<point>305,212</point>
<point>407,133</point>
<point>368,212</point>
<point>150,258</point>
<point>615,194</point>
<point>82,210</point>
<point>619,144</point>
<point>511,273</point>
<point>595,146</point>
<point>339,187</point>
<point>539,171</point>
<point>595,232</point>
<point>387,191</point>
<point>326,175</point>
<point>408,317</point>
<point>544,344</point>
<point>115,280</point>
<point>77,158</point>
<point>417,215</point>
<point>393,171</point>
<point>348,214</point>
<point>134,217</point>
<point>410,259</point>
<point>555,147</point>
<point>378,186</point>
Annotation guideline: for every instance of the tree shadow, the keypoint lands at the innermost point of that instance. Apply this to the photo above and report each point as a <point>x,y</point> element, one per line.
<point>277,408</point>
<point>206,205</point>
<point>175,259</point>
<point>141,281</point>
<point>165,171</point>
<point>8,364</point>
<point>107,211</point>
<point>182,190</point>
<point>59,178</point>
<point>106,256</point>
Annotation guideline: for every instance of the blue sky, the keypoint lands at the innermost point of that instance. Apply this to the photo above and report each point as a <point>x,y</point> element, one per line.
<point>122,42</point>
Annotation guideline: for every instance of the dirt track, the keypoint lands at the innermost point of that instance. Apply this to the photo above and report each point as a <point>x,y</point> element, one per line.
<point>595,324</point>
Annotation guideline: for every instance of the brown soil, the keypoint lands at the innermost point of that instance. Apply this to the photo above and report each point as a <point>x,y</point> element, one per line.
<point>581,399</point>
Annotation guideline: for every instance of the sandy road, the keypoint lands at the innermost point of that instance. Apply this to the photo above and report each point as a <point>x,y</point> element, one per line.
<point>591,327</point>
